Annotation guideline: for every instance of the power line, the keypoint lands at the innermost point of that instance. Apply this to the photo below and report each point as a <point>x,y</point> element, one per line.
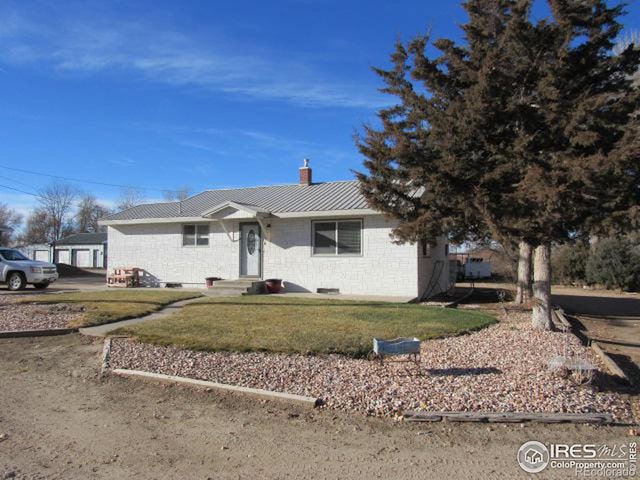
<point>14,181</point>
<point>60,177</point>
<point>39,197</point>
<point>21,191</point>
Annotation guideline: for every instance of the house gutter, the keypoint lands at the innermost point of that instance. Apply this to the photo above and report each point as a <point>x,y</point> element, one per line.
<point>311,214</point>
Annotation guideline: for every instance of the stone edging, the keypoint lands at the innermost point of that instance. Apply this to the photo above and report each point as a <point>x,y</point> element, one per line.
<point>106,355</point>
<point>508,417</point>
<point>288,397</point>
<point>610,364</point>
<point>37,333</point>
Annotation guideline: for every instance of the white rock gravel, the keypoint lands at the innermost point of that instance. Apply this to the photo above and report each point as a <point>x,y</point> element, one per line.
<point>16,316</point>
<point>502,368</point>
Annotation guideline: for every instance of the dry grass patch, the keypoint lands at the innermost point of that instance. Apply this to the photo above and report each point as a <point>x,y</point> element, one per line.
<point>301,325</point>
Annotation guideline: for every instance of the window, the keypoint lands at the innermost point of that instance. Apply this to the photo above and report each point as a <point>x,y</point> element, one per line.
<point>195,235</point>
<point>342,237</point>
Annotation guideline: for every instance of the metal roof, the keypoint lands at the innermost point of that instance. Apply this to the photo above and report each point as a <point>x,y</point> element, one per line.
<point>83,239</point>
<point>317,197</point>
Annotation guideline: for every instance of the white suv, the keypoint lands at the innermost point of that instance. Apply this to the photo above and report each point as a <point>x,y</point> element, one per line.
<point>17,271</point>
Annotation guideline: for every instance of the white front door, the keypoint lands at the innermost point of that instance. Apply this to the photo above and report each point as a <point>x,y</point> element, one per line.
<point>250,250</point>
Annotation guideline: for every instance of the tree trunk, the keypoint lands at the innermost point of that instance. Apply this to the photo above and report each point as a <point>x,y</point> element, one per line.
<point>523,288</point>
<point>542,287</point>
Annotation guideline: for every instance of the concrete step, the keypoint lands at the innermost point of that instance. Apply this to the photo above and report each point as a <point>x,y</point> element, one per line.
<point>224,292</point>
<point>231,286</point>
<point>237,287</point>
<point>235,283</point>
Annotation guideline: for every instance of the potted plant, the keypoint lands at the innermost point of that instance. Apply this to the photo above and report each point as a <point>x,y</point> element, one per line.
<point>210,281</point>
<point>274,285</point>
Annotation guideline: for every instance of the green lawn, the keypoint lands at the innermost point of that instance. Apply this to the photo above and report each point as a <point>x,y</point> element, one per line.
<point>113,305</point>
<point>289,324</point>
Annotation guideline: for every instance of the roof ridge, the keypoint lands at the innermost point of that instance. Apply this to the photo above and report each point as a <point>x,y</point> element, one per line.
<point>269,186</point>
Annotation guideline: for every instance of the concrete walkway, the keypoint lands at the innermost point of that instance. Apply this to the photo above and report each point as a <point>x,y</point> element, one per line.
<point>104,330</point>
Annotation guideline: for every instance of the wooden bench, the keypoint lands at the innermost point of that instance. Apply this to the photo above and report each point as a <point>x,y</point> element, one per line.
<point>126,277</point>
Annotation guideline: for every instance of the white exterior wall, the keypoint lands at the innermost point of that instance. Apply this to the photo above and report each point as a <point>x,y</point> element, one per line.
<point>430,265</point>
<point>384,268</point>
<point>157,248</point>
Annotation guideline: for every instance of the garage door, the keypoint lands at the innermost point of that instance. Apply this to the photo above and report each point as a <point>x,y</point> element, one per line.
<point>62,256</point>
<point>41,255</point>
<point>82,258</point>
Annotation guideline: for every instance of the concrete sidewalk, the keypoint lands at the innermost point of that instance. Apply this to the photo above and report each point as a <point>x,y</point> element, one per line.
<point>104,330</point>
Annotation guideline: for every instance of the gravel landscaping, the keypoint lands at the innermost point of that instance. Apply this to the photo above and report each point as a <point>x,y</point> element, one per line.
<point>502,368</point>
<point>16,316</point>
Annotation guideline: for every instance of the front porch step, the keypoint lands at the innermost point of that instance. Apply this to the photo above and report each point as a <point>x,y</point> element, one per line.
<point>237,287</point>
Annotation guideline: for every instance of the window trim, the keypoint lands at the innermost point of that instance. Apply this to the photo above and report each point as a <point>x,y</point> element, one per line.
<point>337,221</point>
<point>196,227</point>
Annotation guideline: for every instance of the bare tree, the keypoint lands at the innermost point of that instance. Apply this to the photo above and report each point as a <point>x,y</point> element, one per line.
<point>10,221</point>
<point>88,214</point>
<point>178,195</point>
<point>38,228</point>
<point>129,197</point>
<point>57,201</point>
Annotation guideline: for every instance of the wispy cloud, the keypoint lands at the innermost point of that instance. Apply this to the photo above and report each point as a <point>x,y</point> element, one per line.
<point>122,161</point>
<point>153,53</point>
<point>223,145</point>
<point>246,143</point>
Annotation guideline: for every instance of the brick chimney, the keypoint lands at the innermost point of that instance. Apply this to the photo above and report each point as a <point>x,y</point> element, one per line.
<point>305,173</point>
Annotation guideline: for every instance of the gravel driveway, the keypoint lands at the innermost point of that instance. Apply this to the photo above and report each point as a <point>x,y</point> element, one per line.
<point>502,368</point>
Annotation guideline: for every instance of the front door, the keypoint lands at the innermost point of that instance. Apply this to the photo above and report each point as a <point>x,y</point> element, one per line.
<point>250,250</point>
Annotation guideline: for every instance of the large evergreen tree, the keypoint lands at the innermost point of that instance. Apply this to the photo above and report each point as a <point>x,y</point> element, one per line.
<point>526,131</point>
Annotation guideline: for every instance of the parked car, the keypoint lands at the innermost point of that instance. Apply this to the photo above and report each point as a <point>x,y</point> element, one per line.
<point>17,271</point>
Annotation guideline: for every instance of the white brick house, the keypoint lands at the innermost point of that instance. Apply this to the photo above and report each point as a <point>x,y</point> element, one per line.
<point>310,235</point>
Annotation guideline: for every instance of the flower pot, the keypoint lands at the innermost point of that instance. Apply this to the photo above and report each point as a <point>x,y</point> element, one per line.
<point>274,285</point>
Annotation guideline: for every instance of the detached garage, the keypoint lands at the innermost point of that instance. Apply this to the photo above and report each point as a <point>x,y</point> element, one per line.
<point>37,251</point>
<point>84,250</point>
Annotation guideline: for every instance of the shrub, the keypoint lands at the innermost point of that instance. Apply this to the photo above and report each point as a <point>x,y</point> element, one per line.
<point>569,264</point>
<point>614,263</point>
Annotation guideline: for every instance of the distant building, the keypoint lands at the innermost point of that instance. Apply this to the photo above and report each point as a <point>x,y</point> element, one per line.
<point>471,265</point>
<point>84,250</point>
<point>37,251</point>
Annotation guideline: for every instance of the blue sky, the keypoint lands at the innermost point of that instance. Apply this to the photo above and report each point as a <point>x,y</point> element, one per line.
<point>207,94</point>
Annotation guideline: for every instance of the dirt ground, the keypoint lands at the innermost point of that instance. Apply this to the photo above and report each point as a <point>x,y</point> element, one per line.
<point>60,420</point>
<point>610,318</point>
